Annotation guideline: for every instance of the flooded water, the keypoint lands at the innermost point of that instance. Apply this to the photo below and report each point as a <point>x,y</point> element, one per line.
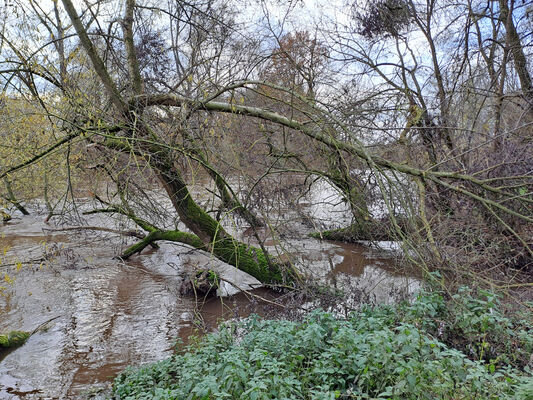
<point>110,314</point>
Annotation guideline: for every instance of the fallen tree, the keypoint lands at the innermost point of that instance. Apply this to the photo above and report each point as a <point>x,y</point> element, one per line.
<point>128,121</point>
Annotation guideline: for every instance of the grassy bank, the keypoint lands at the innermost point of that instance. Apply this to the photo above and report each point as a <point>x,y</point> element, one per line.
<point>462,347</point>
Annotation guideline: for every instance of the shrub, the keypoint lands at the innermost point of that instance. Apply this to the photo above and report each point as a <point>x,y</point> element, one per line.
<point>381,352</point>
<point>474,323</point>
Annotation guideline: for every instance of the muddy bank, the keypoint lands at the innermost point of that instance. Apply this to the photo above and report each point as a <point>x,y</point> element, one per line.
<point>112,313</point>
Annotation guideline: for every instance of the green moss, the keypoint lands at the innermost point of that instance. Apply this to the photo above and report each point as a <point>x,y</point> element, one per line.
<point>356,232</point>
<point>198,217</point>
<point>183,237</point>
<point>14,339</point>
<point>249,259</point>
<point>174,236</point>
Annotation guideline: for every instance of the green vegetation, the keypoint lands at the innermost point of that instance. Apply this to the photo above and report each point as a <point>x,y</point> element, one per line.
<point>14,339</point>
<point>462,347</point>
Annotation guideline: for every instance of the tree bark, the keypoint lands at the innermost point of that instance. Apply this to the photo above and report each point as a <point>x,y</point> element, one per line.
<point>12,199</point>
<point>209,234</point>
<point>517,51</point>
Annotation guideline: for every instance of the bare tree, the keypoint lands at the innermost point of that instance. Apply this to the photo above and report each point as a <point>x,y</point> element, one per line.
<point>155,89</point>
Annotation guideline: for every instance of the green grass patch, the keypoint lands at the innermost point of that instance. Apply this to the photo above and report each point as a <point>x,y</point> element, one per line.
<point>408,351</point>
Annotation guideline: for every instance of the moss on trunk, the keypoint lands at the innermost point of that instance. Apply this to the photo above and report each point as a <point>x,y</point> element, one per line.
<point>12,199</point>
<point>173,236</point>
<point>249,259</point>
<point>208,233</point>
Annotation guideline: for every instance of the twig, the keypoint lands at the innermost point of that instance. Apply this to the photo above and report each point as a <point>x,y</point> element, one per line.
<point>252,294</point>
<point>133,233</point>
<point>44,323</point>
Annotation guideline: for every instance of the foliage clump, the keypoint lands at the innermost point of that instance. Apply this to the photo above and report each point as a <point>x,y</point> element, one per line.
<point>384,18</point>
<point>14,339</point>
<point>474,323</point>
<point>393,352</point>
<point>5,216</point>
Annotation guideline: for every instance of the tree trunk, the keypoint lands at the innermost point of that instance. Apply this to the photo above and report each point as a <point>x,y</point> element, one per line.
<point>352,190</point>
<point>208,234</point>
<point>517,51</point>
<point>12,199</point>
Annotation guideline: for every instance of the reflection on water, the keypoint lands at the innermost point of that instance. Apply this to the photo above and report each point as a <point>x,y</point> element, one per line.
<point>112,314</point>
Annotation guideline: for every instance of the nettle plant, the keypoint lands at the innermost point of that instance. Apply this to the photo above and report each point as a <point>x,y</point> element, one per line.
<point>392,352</point>
<point>474,323</point>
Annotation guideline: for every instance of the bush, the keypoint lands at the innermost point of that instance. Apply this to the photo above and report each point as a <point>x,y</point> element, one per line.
<point>382,352</point>
<point>474,323</point>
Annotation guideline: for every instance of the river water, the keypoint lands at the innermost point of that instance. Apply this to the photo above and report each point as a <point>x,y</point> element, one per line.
<point>111,313</point>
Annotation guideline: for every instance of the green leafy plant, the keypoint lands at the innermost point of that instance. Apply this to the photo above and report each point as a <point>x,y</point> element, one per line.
<point>474,323</point>
<point>14,339</point>
<point>390,352</point>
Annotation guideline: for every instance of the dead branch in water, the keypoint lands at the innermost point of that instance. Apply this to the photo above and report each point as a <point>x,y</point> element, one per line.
<point>132,233</point>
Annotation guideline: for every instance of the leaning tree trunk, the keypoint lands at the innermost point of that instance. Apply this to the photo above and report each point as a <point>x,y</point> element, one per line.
<point>207,229</point>
<point>12,199</point>
<point>353,191</point>
<point>209,235</point>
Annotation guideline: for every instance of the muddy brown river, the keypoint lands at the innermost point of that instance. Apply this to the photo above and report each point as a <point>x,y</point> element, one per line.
<point>110,313</point>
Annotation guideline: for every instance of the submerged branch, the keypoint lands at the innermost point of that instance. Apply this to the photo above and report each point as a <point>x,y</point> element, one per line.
<point>132,233</point>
